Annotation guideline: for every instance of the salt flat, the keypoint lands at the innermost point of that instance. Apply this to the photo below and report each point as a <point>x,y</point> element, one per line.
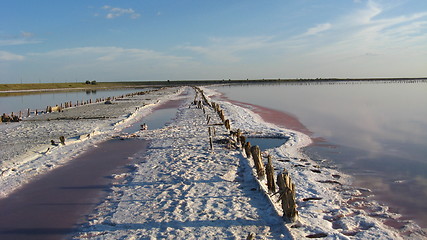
<point>26,149</point>
<point>181,189</point>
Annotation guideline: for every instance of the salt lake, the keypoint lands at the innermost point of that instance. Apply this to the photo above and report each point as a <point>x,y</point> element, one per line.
<point>375,131</point>
<point>9,104</point>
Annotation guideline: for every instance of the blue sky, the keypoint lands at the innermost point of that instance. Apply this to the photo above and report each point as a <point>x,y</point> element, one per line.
<point>68,41</point>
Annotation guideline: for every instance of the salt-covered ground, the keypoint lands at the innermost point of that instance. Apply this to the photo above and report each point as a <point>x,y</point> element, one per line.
<point>181,189</point>
<point>26,149</point>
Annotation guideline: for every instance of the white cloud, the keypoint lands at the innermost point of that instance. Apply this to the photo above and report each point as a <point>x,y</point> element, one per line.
<point>11,42</point>
<point>318,29</point>
<point>7,56</point>
<point>21,39</point>
<point>27,34</point>
<point>110,63</point>
<point>370,29</point>
<point>114,12</point>
<point>365,16</point>
<point>228,49</point>
<point>109,54</point>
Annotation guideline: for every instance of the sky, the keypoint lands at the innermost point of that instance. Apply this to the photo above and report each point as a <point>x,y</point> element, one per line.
<point>79,40</point>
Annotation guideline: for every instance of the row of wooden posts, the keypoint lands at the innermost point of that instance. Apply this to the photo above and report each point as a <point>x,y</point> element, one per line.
<point>286,188</point>
<point>16,117</point>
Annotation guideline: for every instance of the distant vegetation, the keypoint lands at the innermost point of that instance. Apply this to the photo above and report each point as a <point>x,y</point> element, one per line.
<point>102,85</point>
<point>50,86</point>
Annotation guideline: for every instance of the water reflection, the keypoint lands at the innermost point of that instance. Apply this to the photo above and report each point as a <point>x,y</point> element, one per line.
<point>266,143</point>
<point>41,100</point>
<point>378,130</point>
<point>155,120</point>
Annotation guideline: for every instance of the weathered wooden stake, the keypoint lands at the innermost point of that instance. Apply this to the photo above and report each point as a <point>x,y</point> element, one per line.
<point>251,236</point>
<point>248,149</point>
<point>242,140</point>
<point>227,124</point>
<point>221,115</point>
<point>270,175</point>
<point>211,142</point>
<point>256,156</point>
<point>287,196</point>
<point>62,139</point>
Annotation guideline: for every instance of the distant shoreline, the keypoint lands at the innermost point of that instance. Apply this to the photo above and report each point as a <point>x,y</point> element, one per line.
<point>28,88</point>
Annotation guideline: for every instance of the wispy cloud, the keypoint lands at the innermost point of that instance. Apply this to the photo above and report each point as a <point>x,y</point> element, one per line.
<point>228,49</point>
<point>114,12</point>
<point>369,29</point>
<point>318,29</point>
<point>21,39</point>
<point>108,54</point>
<point>112,62</point>
<point>8,56</point>
<point>369,41</point>
<point>27,34</point>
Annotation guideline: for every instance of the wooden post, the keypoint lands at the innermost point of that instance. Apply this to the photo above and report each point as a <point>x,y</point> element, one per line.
<point>287,196</point>
<point>248,149</point>
<point>62,139</point>
<point>211,142</point>
<point>270,175</point>
<point>256,156</point>
<point>242,140</point>
<point>221,115</point>
<point>28,113</point>
<point>251,236</point>
<point>227,124</point>
<point>238,134</point>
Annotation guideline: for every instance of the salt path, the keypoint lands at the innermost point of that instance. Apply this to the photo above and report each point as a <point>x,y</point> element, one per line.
<point>180,189</point>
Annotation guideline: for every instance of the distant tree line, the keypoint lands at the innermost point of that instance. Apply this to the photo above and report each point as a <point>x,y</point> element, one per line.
<point>91,82</point>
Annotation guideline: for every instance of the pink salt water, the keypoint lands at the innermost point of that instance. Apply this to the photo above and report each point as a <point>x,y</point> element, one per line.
<point>375,131</point>
<point>51,206</point>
